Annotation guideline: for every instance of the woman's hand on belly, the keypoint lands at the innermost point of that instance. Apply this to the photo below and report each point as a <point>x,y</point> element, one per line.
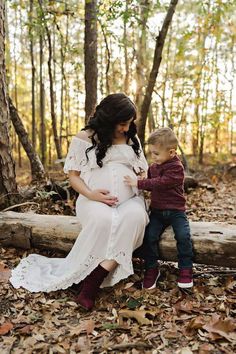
<point>103,196</point>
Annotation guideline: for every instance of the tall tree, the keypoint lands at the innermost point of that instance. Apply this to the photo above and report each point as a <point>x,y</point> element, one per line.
<point>8,186</point>
<point>32,73</point>
<point>42,103</point>
<point>125,35</point>
<point>141,51</point>
<point>37,169</point>
<point>160,41</point>
<point>51,82</point>
<point>90,56</point>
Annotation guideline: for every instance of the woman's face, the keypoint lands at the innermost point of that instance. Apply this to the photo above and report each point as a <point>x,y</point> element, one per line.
<point>122,128</point>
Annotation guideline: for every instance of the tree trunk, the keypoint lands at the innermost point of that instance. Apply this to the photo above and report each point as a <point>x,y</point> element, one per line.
<point>160,41</point>
<point>141,52</point>
<point>90,57</point>
<point>231,97</point>
<point>32,73</point>
<point>8,187</point>
<point>166,77</point>
<point>42,104</point>
<point>63,46</point>
<point>37,169</point>
<point>16,24</point>
<point>51,85</point>
<point>108,59</point>
<point>214,243</point>
<point>127,73</point>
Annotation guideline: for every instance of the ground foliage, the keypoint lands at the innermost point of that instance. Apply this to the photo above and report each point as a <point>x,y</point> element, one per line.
<point>126,319</point>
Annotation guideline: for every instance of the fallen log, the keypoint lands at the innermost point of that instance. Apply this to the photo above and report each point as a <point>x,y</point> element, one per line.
<point>214,243</point>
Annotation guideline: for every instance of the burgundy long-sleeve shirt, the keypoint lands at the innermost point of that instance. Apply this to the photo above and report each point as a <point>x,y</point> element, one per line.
<point>166,183</point>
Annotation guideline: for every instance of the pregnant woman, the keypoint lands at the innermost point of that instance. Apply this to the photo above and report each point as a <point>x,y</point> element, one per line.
<point>112,215</point>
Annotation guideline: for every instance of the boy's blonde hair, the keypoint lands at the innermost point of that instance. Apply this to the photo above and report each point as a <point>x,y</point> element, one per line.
<point>164,137</point>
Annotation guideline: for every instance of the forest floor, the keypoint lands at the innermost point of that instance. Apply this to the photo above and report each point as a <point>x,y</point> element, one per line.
<point>127,319</point>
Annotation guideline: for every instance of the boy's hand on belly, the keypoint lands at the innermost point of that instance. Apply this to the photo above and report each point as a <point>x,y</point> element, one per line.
<point>103,196</point>
<point>129,181</point>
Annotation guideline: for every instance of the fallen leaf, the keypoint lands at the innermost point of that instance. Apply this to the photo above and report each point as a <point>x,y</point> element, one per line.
<point>39,337</point>
<point>230,283</point>
<point>82,345</point>
<point>128,285</point>
<point>26,329</point>
<point>58,349</point>
<point>88,326</point>
<point>185,350</point>
<point>139,315</point>
<point>221,327</point>
<point>196,323</point>
<point>206,348</point>
<point>5,328</point>
<point>185,306</point>
<point>5,273</point>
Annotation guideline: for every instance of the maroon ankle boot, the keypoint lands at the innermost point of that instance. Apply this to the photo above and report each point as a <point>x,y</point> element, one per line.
<point>90,287</point>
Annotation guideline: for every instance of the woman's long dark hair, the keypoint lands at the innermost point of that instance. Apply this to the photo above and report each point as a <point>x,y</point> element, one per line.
<point>112,110</point>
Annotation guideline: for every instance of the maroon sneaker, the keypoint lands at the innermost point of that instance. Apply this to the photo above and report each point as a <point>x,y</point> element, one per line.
<point>150,278</point>
<point>185,279</point>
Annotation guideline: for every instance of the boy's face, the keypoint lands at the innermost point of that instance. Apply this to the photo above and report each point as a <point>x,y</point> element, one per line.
<point>160,154</point>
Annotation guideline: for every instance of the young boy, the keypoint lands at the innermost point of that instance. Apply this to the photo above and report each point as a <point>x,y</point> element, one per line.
<point>165,181</point>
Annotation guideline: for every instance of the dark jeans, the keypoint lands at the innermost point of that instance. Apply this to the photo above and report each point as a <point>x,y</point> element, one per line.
<point>159,221</point>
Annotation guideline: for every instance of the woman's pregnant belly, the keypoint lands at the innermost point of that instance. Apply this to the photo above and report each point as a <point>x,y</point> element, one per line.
<point>111,178</point>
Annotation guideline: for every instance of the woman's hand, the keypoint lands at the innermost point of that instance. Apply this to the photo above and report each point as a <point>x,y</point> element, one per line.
<point>98,195</point>
<point>132,182</point>
<point>103,196</point>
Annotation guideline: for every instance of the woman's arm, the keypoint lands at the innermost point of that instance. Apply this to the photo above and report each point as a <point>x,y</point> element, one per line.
<point>99,195</point>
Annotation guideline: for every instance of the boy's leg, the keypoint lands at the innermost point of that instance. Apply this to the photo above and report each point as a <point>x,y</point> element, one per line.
<point>181,229</point>
<point>151,240</point>
<point>150,250</point>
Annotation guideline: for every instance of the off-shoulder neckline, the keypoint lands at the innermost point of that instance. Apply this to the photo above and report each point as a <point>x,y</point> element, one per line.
<point>87,142</point>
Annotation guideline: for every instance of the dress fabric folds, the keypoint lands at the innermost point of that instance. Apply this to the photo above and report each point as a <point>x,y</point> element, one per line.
<point>107,232</point>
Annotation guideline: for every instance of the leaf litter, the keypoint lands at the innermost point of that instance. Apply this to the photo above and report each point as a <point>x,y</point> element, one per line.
<point>127,319</point>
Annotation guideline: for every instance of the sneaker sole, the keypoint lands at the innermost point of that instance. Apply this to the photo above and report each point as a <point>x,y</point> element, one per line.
<point>154,285</point>
<point>185,285</point>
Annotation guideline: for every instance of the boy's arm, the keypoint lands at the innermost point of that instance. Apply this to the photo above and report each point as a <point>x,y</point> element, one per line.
<point>133,182</point>
<point>171,178</point>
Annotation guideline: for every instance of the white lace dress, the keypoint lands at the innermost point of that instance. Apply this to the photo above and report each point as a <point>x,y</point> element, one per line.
<point>107,232</point>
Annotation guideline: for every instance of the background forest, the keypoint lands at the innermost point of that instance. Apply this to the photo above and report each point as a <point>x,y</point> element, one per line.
<point>176,59</point>
<point>194,90</point>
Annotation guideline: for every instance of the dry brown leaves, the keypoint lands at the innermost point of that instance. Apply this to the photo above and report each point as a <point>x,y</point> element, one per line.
<point>126,319</point>
<point>207,205</point>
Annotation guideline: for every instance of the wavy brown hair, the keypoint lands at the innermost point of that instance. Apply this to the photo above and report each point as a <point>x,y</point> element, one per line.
<point>111,111</point>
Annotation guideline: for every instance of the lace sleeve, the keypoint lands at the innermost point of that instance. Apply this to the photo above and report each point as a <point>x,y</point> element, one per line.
<point>76,158</point>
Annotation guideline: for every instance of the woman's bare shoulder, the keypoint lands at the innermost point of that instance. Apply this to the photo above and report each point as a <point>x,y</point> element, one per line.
<point>84,135</point>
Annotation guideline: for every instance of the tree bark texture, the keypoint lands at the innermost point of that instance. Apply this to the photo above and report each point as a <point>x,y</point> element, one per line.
<point>51,84</point>
<point>90,57</point>
<point>214,243</point>
<point>141,52</point>
<point>33,71</point>
<point>8,187</point>
<point>43,143</point>
<point>160,41</point>
<point>37,169</point>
